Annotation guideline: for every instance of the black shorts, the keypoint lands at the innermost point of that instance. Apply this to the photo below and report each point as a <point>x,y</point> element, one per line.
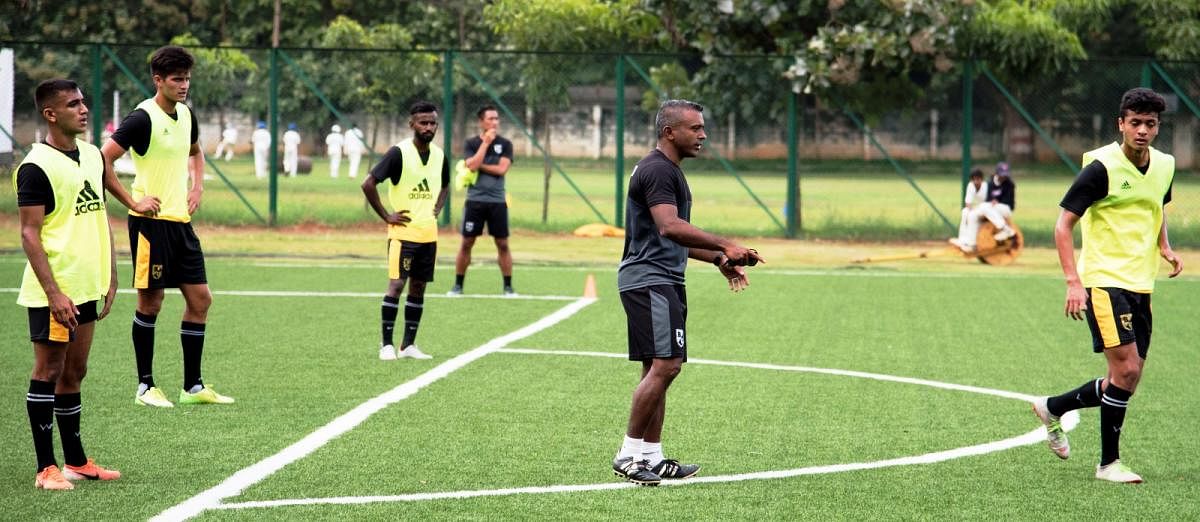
<point>166,254</point>
<point>411,260</point>
<point>43,328</point>
<point>1118,317</point>
<point>657,317</point>
<point>477,213</point>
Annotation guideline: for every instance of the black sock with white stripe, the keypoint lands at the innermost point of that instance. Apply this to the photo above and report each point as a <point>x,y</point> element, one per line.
<point>143,347</point>
<point>1112,418</point>
<point>191,336</point>
<point>1086,396</point>
<point>39,403</point>
<point>388,311</point>
<point>413,306</point>
<point>68,407</point>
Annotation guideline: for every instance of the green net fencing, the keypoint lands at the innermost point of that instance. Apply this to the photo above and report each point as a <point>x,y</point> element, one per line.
<point>891,170</point>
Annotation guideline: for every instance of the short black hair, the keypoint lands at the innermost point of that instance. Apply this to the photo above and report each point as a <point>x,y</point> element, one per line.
<point>422,107</point>
<point>669,114</point>
<point>48,89</point>
<point>483,110</point>
<point>1142,101</point>
<point>977,173</point>
<point>171,59</point>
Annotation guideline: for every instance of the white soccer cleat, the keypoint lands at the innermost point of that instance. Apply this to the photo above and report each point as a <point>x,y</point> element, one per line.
<point>387,352</point>
<point>412,352</point>
<point>1115,471</point>
<point>1056,438</point>
<point>1004,234</point>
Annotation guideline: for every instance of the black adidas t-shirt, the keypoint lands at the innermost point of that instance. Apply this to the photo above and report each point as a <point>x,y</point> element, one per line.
<point>392,166</point>
<point>33,185</point>
<point>1091,185</point>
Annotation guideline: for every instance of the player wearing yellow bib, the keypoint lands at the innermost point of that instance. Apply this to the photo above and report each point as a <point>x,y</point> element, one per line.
<point>419,175</point>
<point>1119,198</point>
<point>164,139</point>
<point>65,235</point>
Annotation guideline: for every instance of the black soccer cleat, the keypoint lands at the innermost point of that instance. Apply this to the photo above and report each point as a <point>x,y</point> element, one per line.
<point>635,471</point>
<point>672,469</point>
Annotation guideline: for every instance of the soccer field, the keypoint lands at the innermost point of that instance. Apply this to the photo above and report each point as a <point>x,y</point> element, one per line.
<point>815,394</point>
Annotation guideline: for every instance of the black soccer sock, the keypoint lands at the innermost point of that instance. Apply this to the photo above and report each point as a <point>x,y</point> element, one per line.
<point>1112,418</point>
<point>39,403</point>
<point>191,336</point>
<point>413,306</point>
<point>68,408</point>
<point>389,310</point>
<point>507,281</point>
<point>143,346</point>
<point>1086,396</point>
<point>458,279</point>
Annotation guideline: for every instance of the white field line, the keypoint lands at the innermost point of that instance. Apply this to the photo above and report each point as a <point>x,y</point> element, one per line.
<point>292,293</point>
<point>1070,420</point>
<point>239,481</point>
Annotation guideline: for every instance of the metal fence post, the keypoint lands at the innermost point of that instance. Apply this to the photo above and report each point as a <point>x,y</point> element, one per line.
<point>968,124</point>
<point>1147,77</point>
<point>619,112</point>
<point>793,175</point>
<point>97,105</point>
<point>273,104</point>
<point>448,127</point>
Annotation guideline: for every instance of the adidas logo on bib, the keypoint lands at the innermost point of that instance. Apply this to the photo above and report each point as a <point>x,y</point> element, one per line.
<point>88,200</point>
<point>421,191</point>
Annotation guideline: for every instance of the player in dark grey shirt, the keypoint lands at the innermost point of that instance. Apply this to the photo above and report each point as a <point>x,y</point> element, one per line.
<point>490,155</point>
<point>659,239</point>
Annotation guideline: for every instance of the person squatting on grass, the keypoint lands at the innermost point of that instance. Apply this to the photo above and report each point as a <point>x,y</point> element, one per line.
<point>659,240</point>
<point>71,266</point>
<point>164,137</point>
<point>1118,198</point>
<point>417,170</point>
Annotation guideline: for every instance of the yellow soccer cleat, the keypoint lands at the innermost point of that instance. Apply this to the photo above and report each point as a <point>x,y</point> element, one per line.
<point>204,396</point>
<point>153,397</point>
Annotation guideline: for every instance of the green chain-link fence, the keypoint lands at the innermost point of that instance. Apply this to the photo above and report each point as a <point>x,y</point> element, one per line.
<point>777,163</point>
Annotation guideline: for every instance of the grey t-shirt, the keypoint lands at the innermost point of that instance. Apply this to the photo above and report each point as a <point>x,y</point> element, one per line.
<point>488,188</point>
<point>650,259</point>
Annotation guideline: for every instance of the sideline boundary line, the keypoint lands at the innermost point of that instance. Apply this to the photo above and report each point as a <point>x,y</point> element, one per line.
<point>246,477</point>
<point>301,293</point>
<point>1070,420</point>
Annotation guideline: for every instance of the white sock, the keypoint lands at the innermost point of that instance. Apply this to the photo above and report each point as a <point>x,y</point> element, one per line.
<point>196,388</point>
<point>630,448</point>
<point>652,452</point>
<point>142,387</point>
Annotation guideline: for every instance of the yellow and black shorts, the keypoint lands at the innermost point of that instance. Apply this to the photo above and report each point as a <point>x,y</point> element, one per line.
<point>43,328</point>
<point>407,259</point>
<point>166,254</point>
<point>1118,317</point>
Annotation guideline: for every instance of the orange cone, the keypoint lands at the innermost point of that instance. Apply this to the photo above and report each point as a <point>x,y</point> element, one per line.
<point>589,287</point>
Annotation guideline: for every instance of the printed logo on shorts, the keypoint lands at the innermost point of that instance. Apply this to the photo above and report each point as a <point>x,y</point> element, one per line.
<point>679,337</point>
<point>406,264</point>
<point>156,271</point>
<point>469,226</point>
<point>1127,321</point>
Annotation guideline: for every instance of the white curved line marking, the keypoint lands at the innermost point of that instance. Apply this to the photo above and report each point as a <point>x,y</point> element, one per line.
<point>246,477</point>
<point>1069,421</point>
